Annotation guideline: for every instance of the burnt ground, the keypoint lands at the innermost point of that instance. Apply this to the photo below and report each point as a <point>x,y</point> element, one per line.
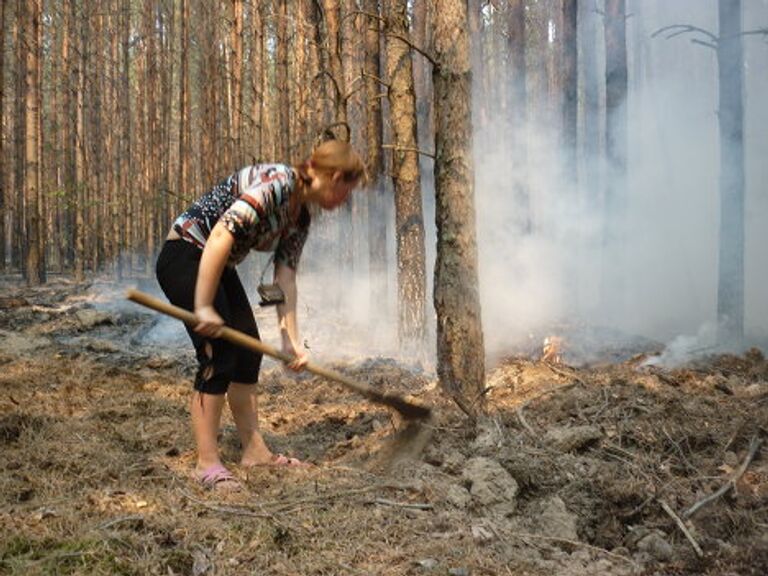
<point>569,473</point>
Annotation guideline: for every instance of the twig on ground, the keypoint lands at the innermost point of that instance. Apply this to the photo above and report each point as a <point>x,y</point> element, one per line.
<point>682,527</point>
<point>228,509</point>
<point>523,421</point>
<point>733,436</point>
<point>413,505</point>
<point>565,373</point>
<point>754,446</point>
<point>679,451</point>
<point>110,523</point>
<point>287,504</point>
<point>637,509</point>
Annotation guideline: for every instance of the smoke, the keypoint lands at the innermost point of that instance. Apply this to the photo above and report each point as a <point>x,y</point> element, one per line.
<point>685,347</point>
<point>659,282</point>
<point>658,279</point>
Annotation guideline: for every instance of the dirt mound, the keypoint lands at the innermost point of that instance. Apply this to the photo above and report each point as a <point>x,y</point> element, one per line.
<point>613,469</point>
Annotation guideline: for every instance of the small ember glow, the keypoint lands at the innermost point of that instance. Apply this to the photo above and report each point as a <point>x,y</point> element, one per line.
<point>551,350</point>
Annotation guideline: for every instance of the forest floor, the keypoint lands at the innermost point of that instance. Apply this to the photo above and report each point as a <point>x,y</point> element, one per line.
<point>583,470</point>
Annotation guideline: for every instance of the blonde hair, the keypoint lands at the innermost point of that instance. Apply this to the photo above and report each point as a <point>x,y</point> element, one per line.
<point>335,156</point>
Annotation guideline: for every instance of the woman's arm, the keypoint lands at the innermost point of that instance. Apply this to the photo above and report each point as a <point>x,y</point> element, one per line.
<point>285,277</point>
<point>215,255</point>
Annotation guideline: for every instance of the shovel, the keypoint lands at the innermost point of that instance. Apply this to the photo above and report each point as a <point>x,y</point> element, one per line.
<point>407,410</point>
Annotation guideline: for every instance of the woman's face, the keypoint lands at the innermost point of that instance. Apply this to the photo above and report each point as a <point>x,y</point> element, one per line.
<point>331,190</point>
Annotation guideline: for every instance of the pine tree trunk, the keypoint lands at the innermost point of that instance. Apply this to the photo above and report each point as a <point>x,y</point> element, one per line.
<point>80,151</point>
<point>409,220</point>
<point>19,254</point>
<point>554,64</point>
<point>301,77</point>
<point>615,149</point>
<point>96,141</point>
<point>167,73</point>
<point>570,79</point>
<point>422,37</point>
<point>32,40</point>
<point>185,134</point>
<point>151,141</point>
<point>590,150</point>
<point>237,79</point>
<point>377,201</point>
<point>343,216</point>
<point>332,19</point>
<point>460,352</point>
<point>730,285</point>
<point>2,139</point>
<point>115,193</point>
<point>69,146</point>
<point>283,131</point>
<point>126,238</point>
<point>208,75</point>
<point>479,107</point>
<point>257,94</point>
<point>517,110</point>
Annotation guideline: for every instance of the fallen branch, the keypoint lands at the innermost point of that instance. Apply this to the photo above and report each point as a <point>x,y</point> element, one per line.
<point>682,527</point>
<point>754,446</point>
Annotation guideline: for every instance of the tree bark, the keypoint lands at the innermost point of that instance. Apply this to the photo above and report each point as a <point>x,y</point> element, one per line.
<point>475,23</point>
<point>151,141</point>
<point>570,79</point>
<point>730,285</point>
<point>517,110</point>
<point>281,82</point>
<point>409,220</point>
<point>374,129</point>
<point>421,73</point>
<point>19,254</point>
<point>32,180</point>
<point>2,139</point>
<point>332,20</point>
<point>185,133</point>
<point>460,352</point>
<point>590,149</point>
<point>208,76</point>
<point>237,79</point>
<point>615,151</point>
<point>126,238</point>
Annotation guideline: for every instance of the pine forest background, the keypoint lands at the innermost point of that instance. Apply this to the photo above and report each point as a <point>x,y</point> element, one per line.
<point>116,114</point>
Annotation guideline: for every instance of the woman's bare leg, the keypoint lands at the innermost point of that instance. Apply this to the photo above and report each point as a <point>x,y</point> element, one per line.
<point>206,417</point>
<point>243,401</point>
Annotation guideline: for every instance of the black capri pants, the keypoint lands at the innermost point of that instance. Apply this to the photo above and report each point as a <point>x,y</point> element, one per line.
<point>219,361</point>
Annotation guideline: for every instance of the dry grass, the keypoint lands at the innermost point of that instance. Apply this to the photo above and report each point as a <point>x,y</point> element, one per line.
<point>97,454</point>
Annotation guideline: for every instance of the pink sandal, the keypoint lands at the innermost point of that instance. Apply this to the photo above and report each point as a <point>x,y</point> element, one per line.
<point>218,478</point>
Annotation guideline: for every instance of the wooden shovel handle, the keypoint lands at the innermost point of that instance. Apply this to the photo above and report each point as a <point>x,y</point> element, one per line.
<point>246,341</point>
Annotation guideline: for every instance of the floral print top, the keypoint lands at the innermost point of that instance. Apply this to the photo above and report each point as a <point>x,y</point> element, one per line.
<point>253,204</point>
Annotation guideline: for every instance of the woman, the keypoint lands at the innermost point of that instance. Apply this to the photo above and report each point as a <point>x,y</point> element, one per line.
<point>265,208</point>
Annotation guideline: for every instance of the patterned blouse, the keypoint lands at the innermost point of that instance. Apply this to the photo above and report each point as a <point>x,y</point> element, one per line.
<point>253,204</point>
